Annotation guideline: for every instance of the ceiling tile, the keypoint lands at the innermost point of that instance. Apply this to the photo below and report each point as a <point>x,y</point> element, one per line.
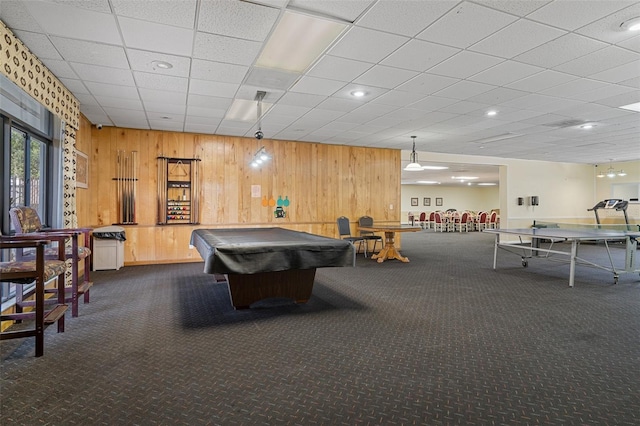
<point>103,74</point>
<point>317,86</point>
<point>367,45</point>
<point>464,89</point>
<point>160,82</point>
<point>154,95</point>
<point>560,50</point>
<point>345,10</point>
<point>419,55</point>
<point>465,64</point>
<point>179,14</point>
<point>144,35</point>
<point>505,73</point>
<point>565,14</point>
<point>542,80</point>
<point>335,68</point>
<point>87,25</point>
<point>517,38</point>
<point>608,27</point>
<point>405,17</point>
<point>474,21</point>
<point>87,52</point>
<point>142,60</point>
<point>237,19</point>
<point>386,77</point>
<point>224,49</point>
<point>212,88</point>
<point>39,45</point>
<point>399,98</point>
<point>101,89</point>
<point>427,84</point>
<point>60,69</point>
<point>601,60</point>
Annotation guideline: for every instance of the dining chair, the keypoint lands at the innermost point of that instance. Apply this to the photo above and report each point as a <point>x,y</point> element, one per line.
<point>439,222</point>
<point>365,221</point>
<point>344,229</point>
<point>23,273</point>
<point>493,220</point>
<point>432,220</point>
<point>483,221</point>
<point>26,221</point>
<point>462,221</point>
<point>422,219</point>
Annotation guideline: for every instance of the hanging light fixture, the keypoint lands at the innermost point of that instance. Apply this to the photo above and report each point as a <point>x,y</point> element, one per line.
<point>261,155</point>
<point>413,165</point>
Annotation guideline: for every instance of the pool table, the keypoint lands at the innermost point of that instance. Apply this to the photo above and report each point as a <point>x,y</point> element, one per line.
<point>263,263</point>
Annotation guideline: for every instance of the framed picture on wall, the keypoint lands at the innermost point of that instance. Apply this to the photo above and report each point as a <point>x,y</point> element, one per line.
<point>438,201</point>
<point>426,201</point>
<point>82,170</point>
<point>414,201</point>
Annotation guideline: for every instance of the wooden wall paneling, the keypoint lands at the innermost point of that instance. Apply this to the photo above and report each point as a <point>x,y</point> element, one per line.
<point>245,154</point>
<point>322,182</point>
<point>231,178</point>
<point>219,212</point>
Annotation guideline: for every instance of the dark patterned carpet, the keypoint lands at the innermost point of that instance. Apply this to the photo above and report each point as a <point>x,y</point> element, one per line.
<point>442,340</point>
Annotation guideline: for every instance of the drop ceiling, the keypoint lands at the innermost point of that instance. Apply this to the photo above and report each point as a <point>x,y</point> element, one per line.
<point>432,69</point>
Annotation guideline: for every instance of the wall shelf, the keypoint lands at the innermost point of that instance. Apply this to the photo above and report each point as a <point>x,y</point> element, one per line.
<point>178,191</point>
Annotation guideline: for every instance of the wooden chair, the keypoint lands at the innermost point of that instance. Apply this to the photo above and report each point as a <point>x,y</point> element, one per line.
<point>483,221</point>
<point>22,273</point>
<point>493,221</point>
<point>422,219</point>
<point>27,222</point>
<point>344,229</point>
<point>440,222</point>
<point>432,220</point>
<point>462,222</point>
<point>365,221</point>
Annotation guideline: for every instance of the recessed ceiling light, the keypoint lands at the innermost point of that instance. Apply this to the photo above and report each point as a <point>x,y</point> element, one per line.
<point>587,126</point>
<point>162,65</point>
<point>631,25</point>
<point>492,113</point>
<point>428,182</point>
<point>464,177</point>
<point>486,184</point>
<point>434,167</point>
<point>358,93</point>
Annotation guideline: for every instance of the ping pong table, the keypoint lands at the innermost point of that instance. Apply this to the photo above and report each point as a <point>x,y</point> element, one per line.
<point>540,236</point>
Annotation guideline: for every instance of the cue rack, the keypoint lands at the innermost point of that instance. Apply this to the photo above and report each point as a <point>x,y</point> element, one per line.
<point>126,186</point>
<point>178,191</point>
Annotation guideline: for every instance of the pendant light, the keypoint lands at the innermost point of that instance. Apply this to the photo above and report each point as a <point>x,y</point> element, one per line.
<point>413,165</point>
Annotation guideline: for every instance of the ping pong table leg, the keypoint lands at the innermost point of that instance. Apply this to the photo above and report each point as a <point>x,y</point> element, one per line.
<point>574,255</point>
<point>495,251</point>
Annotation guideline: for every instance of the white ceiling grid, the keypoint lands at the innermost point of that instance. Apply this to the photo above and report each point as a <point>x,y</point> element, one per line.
<point>430,68</point>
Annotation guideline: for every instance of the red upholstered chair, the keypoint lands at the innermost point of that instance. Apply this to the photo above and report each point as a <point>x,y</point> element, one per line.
<point>422,219</point>
<point>462,221</point>
<point>432,220</point>
<point>26,221</point>
<point>22,273</point>
<point>439,222</point>
<point>493,220</point>
<point>483,221</point>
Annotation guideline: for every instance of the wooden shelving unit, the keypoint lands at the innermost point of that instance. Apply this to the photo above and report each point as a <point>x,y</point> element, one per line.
<point>178,191</point>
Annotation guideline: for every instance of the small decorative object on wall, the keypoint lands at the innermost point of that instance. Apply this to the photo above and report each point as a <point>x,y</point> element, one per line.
<point>82,170</point>
<point>279,213</point>
<point>438,201</point>
<point>427,201</point>
<point>414,201</point>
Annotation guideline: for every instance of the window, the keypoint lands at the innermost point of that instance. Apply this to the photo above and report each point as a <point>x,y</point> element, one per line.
<point>26,145</point>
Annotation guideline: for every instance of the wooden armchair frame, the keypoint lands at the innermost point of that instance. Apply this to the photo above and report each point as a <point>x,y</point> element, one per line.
<point>39,270</point>
<point>78,251</point>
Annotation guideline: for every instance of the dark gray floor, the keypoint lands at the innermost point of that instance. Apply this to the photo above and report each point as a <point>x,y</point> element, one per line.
<point>441,340</point>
